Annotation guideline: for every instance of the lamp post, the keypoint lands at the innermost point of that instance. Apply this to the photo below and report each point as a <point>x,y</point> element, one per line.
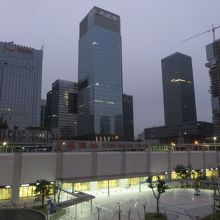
<point>129,214</point>
<point>98,209</point>
<point>4,146</point>
<point>214,139</point>
<point>144,206</point>
<point>119,211</point>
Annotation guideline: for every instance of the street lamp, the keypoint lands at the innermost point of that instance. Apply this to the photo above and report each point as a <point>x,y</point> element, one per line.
<point>129,214</point>
<point>119,211</point>
<point>214,139</point>
<point>98,209</point>
<point>144,206</point>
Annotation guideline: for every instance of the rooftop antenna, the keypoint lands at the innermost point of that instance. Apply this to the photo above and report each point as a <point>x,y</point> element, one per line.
<point>42,47</point>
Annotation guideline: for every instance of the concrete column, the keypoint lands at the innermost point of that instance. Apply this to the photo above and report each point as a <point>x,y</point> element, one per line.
<point>204,161</point>
<point>59,165</point>
<point>73,187</point>
<point>123,163</point>
<point>94,164</point>
<point>108,189</point>
<point>139,184</point>
<point>189,157</point>
<point>169,166</point>
<point>148,163</point>
<point>16,178</point>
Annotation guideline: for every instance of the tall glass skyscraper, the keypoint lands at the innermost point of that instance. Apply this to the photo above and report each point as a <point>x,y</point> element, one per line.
<point>100,76</point>
<point>20,85</point>
<point>178,89</point>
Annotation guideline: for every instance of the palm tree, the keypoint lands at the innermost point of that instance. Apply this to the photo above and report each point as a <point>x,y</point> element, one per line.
<point>43,189</point>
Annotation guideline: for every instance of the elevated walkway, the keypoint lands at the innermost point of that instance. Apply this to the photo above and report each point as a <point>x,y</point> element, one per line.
<point>79,197</point>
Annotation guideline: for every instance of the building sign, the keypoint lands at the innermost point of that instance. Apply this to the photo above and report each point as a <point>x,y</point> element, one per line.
<point>107,15</point>
<point>74,145</point>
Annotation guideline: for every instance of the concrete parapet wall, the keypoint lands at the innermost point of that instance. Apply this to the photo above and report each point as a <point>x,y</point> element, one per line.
<point>6,168</point>
<point>38,166</point>
<point>23,168</point>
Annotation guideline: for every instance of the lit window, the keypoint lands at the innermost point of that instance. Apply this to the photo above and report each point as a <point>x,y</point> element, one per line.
<point>112,103</point>
<point>99,101</point>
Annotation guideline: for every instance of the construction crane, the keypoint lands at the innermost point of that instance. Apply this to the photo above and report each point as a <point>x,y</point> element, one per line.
<point>204,32</point>
<point>214,73</point>
<point>214,64</point>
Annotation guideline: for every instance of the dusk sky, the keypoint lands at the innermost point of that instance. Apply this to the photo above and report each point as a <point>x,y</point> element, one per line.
<point>151,30</point>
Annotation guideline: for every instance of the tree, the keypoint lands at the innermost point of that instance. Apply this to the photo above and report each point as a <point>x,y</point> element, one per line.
<point>182,172</point>
<point>216,196</point>
<point>43,189</point>
<point>198,176</point>
<point>158,187</point>
<point>56,189</point>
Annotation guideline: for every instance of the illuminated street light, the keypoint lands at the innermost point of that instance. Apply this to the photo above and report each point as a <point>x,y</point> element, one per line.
<point>4,143</point>
<point>214,139</point>
<point>173,144</point>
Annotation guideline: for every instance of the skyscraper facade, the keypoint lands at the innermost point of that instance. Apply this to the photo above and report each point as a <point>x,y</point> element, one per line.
<point>178,89</point>
<point>128,118</point>
<point>213,58</point>
<point>20,85</point>
<point>42,112</point>
<point>61,109</point>
<point>100,76</point>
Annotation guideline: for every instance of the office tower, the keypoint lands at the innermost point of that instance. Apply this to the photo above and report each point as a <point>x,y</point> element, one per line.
<point>61,109</point>
<point>213,58</point>
<point>128,118</point>
<point>20,85</point>
<point>42,112</point>
<point>100,76</point>
<point>178,89</point>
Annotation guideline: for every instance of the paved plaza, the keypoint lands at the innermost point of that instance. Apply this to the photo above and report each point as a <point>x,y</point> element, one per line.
<point>178,204</point>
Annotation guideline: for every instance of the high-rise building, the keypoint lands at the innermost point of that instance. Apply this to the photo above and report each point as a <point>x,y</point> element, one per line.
<point>178,89</point>
<point>100,76</point>
<point>42,112</point>
<point>61,109</point>
<point>213,57</point>
<point>20,85</point>
<point>128,118</point>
